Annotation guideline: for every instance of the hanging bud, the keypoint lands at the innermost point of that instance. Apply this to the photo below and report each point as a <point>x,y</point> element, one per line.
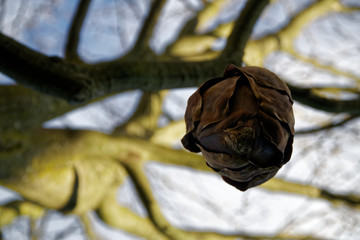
<point>243,124</point>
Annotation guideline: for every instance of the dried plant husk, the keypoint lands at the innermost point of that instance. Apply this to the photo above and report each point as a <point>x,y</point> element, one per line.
<point>243,124</point>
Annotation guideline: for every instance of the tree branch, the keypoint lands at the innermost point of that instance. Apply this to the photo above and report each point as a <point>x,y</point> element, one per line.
<point>92,154</point>
<point>21,106</point>
<point>281,185</point>
<point>143,122</point>
<point>78,83</point>
<point>326,126</point>
<point>308,97</point>
<point>242,30</point>
<point>122,218</point>
<point>14,209</point>
<point>49,75</point>
<point>188,43</point>
<point>142,44</point>
<point>179,157</point>
<point>75,29</point>
<point>156,75</point>
<point>317,64</point>
<point>168,134</point>
<point>134,168</point>
<point>88,227</point>
<point>59,162</point>
<point>82,83</point>
<point>21,112</point>
<point>257,50</point>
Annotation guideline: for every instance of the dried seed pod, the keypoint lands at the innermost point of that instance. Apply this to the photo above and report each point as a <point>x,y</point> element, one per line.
<point>243,124</point>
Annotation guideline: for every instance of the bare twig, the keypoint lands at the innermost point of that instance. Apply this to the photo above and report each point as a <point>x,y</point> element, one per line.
<point>88,227</point>
<point>2,12</point>
<point>327,126</point>
<point>308,97</point>
<point>42,224</point>
<point>142,44</point>
<point>74,32</point>
<point>65,233</point>
<point>316,63</point>
<point>242,30</point>
<point>280,185</point>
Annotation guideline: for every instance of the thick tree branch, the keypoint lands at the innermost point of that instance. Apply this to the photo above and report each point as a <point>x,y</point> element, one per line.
<point>21,112</point>
<point>75,29</point>
<point>21,109</point>
<point>49,75</point>
<point>242,30</point>
<point>156,75</point>
<point>59,162</point>
<point>79,83</point>
<point>82,83</point>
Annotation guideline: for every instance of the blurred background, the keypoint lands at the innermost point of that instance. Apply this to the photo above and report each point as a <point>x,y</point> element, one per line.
<point>312,45</point>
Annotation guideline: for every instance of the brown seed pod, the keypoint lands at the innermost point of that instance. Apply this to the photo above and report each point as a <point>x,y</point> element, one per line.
<point>243,124</point>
